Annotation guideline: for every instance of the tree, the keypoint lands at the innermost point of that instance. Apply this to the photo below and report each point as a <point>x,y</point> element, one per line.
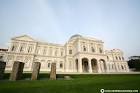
<point>134,62</point>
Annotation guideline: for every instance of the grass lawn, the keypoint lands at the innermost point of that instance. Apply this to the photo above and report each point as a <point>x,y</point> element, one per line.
<point>79,84</point>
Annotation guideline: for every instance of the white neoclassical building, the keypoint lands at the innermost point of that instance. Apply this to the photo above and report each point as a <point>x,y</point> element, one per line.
<point>80,54</point>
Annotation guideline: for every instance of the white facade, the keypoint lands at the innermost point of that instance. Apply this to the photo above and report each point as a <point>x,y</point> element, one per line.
<point>80,54</point>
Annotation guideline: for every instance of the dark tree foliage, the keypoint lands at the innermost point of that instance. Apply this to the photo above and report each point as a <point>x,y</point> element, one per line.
<point>134,63</point>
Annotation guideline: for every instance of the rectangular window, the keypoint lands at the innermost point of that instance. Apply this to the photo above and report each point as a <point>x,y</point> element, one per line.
<point>50,51</point>
<point>21,49</point>
<point>30,49</point>
<point>70,51</point>
<point>14,47</point>
<point>84,48</point>
<point>56,52</point>
<point>45,51</point>
<point>38,50</point>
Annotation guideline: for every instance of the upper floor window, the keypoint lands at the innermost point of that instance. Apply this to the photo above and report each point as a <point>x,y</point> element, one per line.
<point>70,51</point>
<point>119,58</point>
<point>122,58</point>
<point>38,50</point>
<point>107,58</point>
<point>122,67</point>
<point>21,49</point>
<point>50,51</point>
<point>84,48</point>
<point>56,52</point>
<point>61,65</point>
<point>61,53</point>
<point>30,49</point>
<point>92,49</point>
<point>116,58</point>
<point>14,47</point>
<point>100,50</point>
<point>45,51</point>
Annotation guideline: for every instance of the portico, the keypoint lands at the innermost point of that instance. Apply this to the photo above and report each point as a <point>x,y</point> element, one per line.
<point>88,65</point>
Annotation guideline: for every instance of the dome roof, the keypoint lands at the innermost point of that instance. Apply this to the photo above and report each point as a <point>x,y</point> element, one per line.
<point>80,36</point>
<point>75,36</point>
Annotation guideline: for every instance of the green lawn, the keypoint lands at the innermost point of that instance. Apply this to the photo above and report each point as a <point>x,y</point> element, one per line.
<point>79,84</point>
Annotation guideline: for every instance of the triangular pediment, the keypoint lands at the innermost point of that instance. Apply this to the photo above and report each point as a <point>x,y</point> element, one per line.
<point>23,38</point>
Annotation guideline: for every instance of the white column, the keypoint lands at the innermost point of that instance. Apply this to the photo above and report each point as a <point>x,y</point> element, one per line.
<point>79,65</point>
<point>26,48</point>
<point>107,67</point>
<point>120,67</point>
<point>116,65</point>
<point>127,67</point>
<point>96,48</point>
<point>74,65</point>
<point>99,67</point>
<point>102,66</point>
<point>31,63</point>
<point>79,47</point>
<point>18,47</point>
<point>66,65</point>
<point>89,65</point>
<point>88,48</point>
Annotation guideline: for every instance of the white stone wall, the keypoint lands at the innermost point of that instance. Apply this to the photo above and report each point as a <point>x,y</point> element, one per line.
<point>79,54</point>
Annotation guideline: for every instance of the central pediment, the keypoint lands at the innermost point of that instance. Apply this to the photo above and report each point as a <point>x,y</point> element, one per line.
<point>23,38</point>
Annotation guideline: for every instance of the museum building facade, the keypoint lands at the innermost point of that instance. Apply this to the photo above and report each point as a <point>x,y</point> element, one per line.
<point>79,55</point>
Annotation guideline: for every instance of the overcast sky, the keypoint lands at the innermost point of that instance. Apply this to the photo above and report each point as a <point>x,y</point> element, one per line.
<point>116,22</point>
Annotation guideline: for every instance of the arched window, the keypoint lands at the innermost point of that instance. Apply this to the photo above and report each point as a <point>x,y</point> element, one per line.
<point>49,65</point>
<point>61,65</point>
